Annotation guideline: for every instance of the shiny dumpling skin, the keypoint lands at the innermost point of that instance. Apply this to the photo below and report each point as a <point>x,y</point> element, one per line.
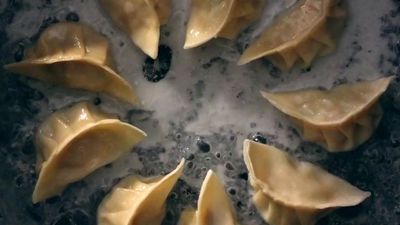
<point>214,206</point>
<point>73,142</point>
<point>74,55</point>
<point>300,35</point>
<point>339,119</point>
<point>141,20</point>
<point>222,18</point>
<point>290,192</point>
<point>138,200</point>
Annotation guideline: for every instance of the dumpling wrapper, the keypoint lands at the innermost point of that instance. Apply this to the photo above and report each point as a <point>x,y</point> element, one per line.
<point>138,200</point>
<point>163,9</point>
<point>299,35</point>
<point>213,207</point>
<point>220,18</point>
<point>339,119</point>
<point>290,192</point>
<point>74,55</point>
<point>141,20</point>
<point>73,142</point>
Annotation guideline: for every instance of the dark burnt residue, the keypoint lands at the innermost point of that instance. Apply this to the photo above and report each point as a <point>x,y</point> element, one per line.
<point>217,61</point>
<point>156,70</point>
<point>274,71</point>
<point>390,30</point>
<point>356,48</point>
<point>72,17</point>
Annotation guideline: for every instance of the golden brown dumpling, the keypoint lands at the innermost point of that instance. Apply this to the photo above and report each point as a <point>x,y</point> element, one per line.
<point>214,206</point>
<point>339,119</point>
<point>75,141</point>
<point>75,56</point>
<point>138,200</point>
<point>220,18</point>
<point>141,20</point>
<point>290,192</point>
<point>299,35</point>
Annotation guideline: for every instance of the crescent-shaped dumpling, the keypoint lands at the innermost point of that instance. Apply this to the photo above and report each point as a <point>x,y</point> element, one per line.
<point>213,207</point>
<point>307,30</point>
<point>141,20</point>
<point>220,18</point>
<point>340,119</point>
<point>138,200</point>
<point>73,142</point>
<point>75,56</point>
<point>290,192</point>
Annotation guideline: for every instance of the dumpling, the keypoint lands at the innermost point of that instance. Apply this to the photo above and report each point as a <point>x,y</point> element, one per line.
<point>340,119</point>
<point>213,207</point>
<point>220,18</point>
<point>289,192</point>
<point>138,200</point>
<point>141,20</point>
<point>75,141</point>
<point>163,9</point>
<point>75,56</point>
<point>299,35</point>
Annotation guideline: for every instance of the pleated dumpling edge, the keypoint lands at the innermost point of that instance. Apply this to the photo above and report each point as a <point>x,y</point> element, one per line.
<point>138,200</point>
<point>339,119</point>
<point>141,20</point>
<point>299,35</point>
<point>287,191</point>
<point>226,18</point>
<point>73,142</point>
<point>75,56</point>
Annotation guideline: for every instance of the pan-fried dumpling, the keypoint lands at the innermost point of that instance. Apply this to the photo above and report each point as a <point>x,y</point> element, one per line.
<point>73,142</point>
<point>299,35</point>
<point>75,56</point>
<point>222,18</point>
<point>141,20</point>
<point>138,200</point>
<point>214,206</point>
<point>339,119</point>
<point>289,192</point>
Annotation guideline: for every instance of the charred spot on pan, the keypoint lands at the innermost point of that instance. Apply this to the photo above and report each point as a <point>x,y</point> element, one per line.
<point>190,157</point>
<point>156,70</point>
<point>274,71</point>
<point>258,137</point>
<point>19,52</point>
<point>19,181</point>
<point>72,17</point>
<point>306,70</point>
<point>213,61</point>
<point>202,145</point>
<point>97,101</point>
<point>244,176</point>
<point>340,81</point>
<point>355,49</point>
<point>232,191</point>
<point>229,166</point>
